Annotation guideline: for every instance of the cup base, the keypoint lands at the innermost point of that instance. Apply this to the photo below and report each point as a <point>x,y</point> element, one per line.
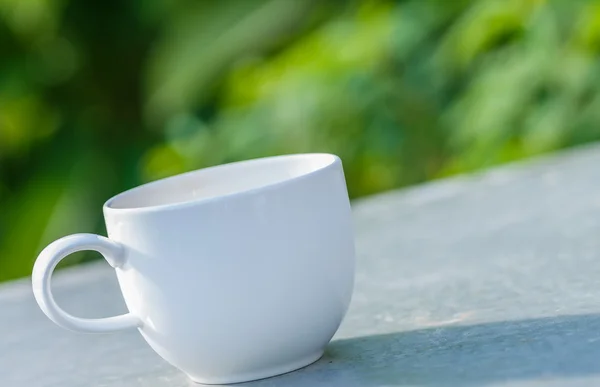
<point>261,374</point>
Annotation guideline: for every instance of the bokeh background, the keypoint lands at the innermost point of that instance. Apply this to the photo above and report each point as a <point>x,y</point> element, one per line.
<point>99,96</point>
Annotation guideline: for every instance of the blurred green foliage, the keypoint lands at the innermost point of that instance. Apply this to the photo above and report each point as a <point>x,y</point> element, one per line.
<point>99,96</point>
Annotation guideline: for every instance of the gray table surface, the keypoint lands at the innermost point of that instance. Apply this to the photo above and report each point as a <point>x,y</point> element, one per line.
<point>489,279</point>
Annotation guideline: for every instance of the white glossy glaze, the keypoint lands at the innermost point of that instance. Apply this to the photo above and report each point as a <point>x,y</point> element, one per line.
<point>232,273</point>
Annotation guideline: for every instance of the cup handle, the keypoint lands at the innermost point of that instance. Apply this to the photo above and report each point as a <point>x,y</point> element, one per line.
<point>113,252</point>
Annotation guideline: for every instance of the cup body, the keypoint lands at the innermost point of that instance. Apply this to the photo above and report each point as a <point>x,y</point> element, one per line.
<point>241,271</point>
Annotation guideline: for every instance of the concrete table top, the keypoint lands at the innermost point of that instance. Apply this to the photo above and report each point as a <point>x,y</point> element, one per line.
<point>481,280</point>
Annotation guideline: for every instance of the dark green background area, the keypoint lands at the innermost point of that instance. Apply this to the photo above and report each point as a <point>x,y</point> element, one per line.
<point>100,96</point>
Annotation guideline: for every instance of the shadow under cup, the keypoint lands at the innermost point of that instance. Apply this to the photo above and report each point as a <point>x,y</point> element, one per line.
<point>237,272</point>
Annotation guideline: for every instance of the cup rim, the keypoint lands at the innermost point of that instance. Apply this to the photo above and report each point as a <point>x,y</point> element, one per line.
<point>331,160</point>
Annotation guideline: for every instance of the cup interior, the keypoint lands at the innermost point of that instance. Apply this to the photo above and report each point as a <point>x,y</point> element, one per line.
<point>221,180</point>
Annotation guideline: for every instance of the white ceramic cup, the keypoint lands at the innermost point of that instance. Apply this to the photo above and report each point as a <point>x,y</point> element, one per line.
<point>231,273</point>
